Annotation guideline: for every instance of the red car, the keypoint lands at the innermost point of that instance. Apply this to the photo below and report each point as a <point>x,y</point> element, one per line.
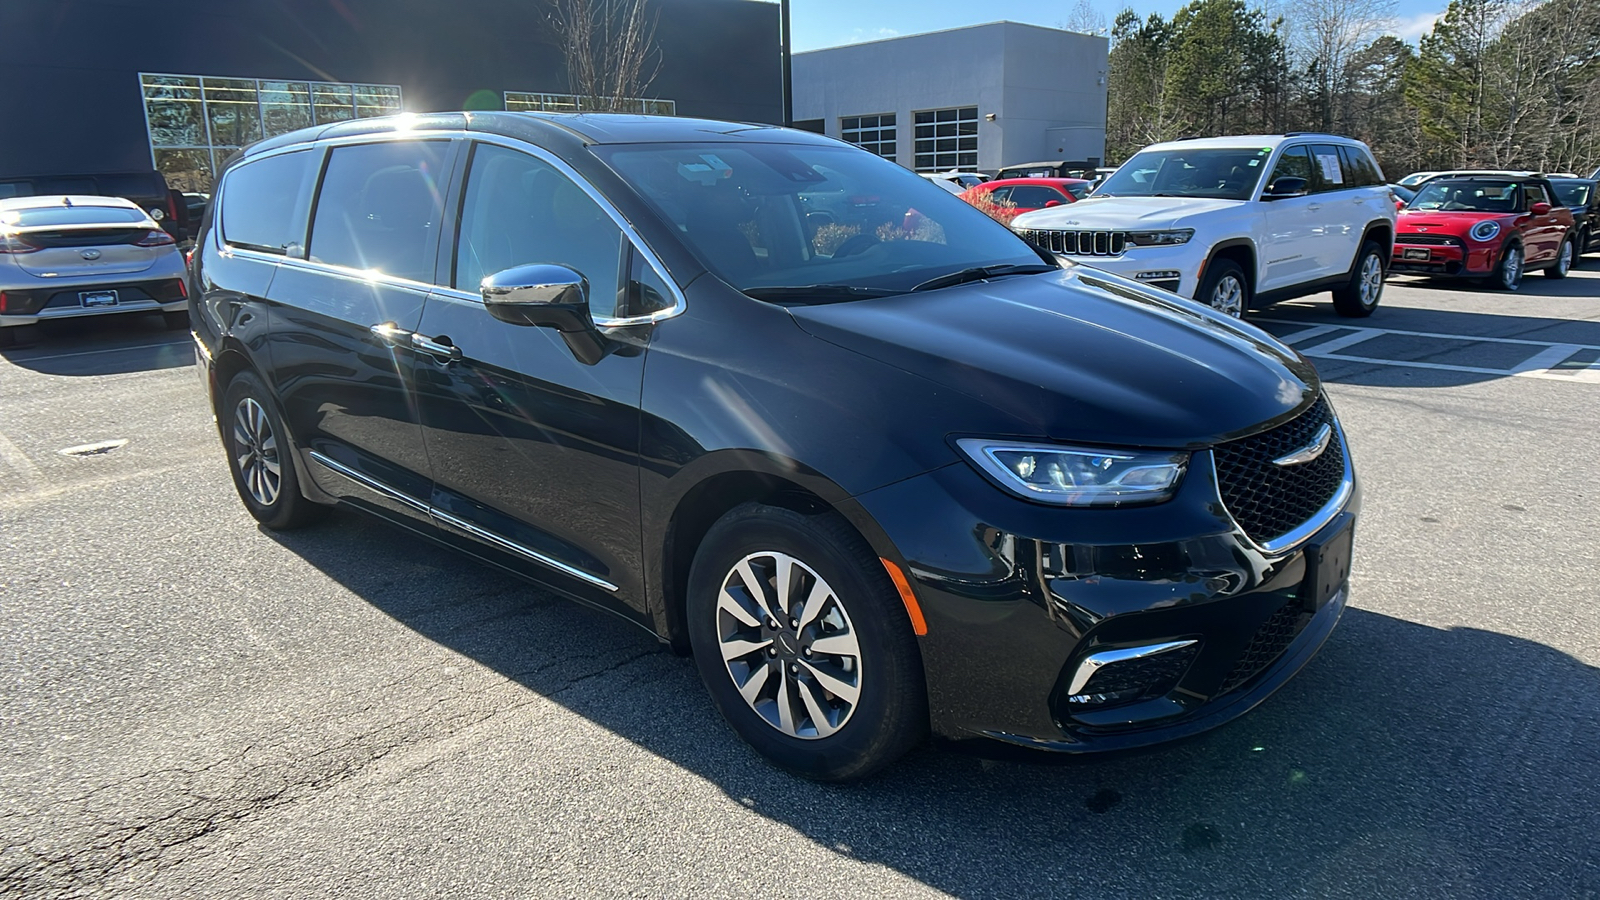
<point>1029,194</point>
<point>1493,227</point>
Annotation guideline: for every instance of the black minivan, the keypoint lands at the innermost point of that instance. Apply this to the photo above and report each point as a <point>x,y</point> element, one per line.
<point>882,467</point>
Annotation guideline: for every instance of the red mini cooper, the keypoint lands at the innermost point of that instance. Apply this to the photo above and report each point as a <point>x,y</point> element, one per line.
<point>1489,226</point>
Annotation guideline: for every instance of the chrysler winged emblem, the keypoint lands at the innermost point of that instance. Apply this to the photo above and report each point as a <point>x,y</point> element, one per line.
<point>89,254</point>
<point>1310,451</point>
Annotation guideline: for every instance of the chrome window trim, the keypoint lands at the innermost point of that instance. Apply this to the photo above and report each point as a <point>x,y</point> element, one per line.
<point>1094,662</point>
<point>1303,532</point>
<point>463,525</point>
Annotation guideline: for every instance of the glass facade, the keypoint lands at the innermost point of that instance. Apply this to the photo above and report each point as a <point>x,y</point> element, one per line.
<point>197,122</point>
<point>947,139</point>
<point>525,101</point>
<point>875,133</point>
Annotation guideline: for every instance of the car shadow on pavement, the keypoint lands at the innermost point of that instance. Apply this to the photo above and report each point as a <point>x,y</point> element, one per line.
<point>102,345</point>
<point>1405,760</point>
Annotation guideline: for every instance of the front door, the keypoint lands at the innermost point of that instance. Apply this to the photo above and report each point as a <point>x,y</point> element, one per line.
<point>340,368</point>
<point>1290,227</point>
<point>534,454</point>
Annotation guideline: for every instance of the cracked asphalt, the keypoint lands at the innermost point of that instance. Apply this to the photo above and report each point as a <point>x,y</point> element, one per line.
<point>192,707</point>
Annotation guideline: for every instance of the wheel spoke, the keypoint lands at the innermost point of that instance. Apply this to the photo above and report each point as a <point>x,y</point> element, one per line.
<point>833,684</point>
<point>734,648</point>
<point>727,603</point>
<point>755,587</point>
<point>785,571</point>
<point>838,643</point>
<point>751,689</point>
<point>818,598</point>
<point>819,716</point>
<point>786,717</point>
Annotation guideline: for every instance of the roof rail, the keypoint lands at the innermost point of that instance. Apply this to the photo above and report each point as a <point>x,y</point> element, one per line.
<point>1315,134</point>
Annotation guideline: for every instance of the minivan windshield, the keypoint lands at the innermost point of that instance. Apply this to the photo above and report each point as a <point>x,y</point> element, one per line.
<point>810,223</point>
<point>1223,173</point>
<point>1467,196</point>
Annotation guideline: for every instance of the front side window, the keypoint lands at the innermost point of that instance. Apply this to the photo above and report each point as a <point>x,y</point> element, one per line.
<point>1467,196</point>
<point>1535,194</point>
<point>379,207</point>
<point>519,210</point>
<point>1031,196</point>
<point>875,134</point>
<point>1221,173</point>
<point>260,202</point>
<point>770,217</point>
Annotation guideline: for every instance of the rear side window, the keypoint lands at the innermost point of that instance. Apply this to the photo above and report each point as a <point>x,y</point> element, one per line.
<point>1034,196</point>
<point>260,199</point>
<point>1360,168</point>
<point>379,208</point>
<point>1329,168</point>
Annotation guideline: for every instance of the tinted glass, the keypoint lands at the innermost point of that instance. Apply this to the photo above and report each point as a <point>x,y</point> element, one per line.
<point>1223,173</point>
<point>74,215</point>
<point>1034,196</point>
<point>1080,191</point>
<point>379,208</point>
<point>1535,194</point>
<point>15,189</point>
<point>260,199</point>
<point>1294,163</point>
<point>1359,167</point>
<point>1328,168</point>
<point>1572,193</point>
<point>519,211</point>
<point>1467,196</point>
<point>773,215</point>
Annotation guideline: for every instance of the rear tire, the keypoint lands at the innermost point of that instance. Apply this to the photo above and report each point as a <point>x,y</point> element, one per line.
<point>1580,248</point>
<point>835,692</point>
<point>261,456</point>
<point>1225,288</point>
<point>1360,297</point>
<point>1563,263</point>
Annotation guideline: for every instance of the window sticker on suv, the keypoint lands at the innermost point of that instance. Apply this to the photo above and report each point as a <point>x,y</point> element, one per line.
<point>1329,161</point>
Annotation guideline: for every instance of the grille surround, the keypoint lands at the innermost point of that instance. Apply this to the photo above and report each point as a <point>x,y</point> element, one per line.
<point>1077,243</point>
<point>1270,503</point>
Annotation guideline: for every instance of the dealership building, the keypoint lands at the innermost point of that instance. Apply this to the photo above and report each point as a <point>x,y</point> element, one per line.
<point>973,99</point>
<point>101,86</point>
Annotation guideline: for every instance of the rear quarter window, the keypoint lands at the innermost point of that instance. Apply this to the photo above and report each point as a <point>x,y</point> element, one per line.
<point>261,201</point>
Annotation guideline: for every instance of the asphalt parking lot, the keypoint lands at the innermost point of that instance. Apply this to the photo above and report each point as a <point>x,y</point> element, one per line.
<point>194,707</point>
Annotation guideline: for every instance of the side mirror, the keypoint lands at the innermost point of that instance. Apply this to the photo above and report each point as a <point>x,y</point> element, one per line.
<point>1286,187</point>
<point>1050,203</point>
<point>1540,209</point>
<point>547,296</point>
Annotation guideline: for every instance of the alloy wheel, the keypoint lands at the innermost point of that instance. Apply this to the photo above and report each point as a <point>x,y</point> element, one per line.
<point>255,452</point>
<point>788,644</point>
<point>1564,260</point>
<point>1228,297</point>
<point>1371,280</point>
<point>1511,269</point>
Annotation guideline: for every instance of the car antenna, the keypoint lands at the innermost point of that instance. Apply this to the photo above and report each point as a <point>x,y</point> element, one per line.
<point>67,202</point>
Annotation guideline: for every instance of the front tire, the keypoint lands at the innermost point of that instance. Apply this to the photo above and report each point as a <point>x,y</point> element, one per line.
<point>260,456</point>
<point>1508,275</point>
<point>1563,263</point>
<point>803,643</point>
<point>1360,297</point>
<point>1225,288</point>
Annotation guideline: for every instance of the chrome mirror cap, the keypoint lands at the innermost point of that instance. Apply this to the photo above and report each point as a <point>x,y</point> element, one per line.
<point>542,284</point>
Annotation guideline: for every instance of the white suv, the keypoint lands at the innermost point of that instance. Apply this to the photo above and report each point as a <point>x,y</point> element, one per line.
<point>1198,218</point>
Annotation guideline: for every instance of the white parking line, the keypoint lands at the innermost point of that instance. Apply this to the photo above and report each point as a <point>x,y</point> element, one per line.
<point>1540,365</point>
<point>30,359</point>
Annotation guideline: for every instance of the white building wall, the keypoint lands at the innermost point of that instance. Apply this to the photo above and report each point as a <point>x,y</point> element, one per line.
<point>1030,79</point>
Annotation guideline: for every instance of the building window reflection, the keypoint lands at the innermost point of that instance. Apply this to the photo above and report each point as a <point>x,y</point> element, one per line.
<point>197,122</point>
<point>525,101</point>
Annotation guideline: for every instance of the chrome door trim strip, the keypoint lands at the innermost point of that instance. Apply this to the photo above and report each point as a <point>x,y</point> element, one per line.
<point>461,524</point>
<point>520,550</point>
<point>1095,661</point>
<point>369,483</point>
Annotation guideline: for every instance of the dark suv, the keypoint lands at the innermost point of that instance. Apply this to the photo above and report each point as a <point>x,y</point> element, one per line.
<point>1581,196</point>
<point>878,477</point>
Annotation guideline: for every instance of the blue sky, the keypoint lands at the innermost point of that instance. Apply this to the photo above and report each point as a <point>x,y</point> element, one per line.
<point>829,23</point>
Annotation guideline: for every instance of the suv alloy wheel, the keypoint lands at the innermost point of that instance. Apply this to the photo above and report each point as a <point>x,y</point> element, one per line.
<point>1225,288</point>
<point>1360,297</point>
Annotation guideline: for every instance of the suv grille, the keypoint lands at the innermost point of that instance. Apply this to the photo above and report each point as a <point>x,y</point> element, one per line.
<point>1270,640</point>
<point>1077,243</point>
<point>1267,500</point>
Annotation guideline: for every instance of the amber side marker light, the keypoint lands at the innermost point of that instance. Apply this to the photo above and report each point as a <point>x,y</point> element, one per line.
<point>918,623</point>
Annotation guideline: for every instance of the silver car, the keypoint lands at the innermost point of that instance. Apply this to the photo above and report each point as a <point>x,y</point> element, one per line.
<point>62,257</point>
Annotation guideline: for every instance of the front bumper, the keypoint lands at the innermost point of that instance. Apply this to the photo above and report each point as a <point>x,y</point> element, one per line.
<point>1445,255</point>
<point>1018,596</point>
<point>1174,268</point>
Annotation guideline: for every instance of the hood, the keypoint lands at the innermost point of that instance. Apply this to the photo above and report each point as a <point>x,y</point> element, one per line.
<point>1121,213</point>
<point>1079,356</point>
<point>1454,222</point>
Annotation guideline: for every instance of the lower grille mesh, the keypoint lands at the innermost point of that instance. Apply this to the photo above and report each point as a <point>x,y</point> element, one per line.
<point>1269,642</point>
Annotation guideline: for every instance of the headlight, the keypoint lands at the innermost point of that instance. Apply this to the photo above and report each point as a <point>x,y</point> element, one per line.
<point>1485,231</point>
<point>1074,476</point>
<point>1160,238</point>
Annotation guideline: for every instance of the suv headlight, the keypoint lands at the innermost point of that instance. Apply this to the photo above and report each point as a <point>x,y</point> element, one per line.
<point>1485,231</point>
<point>1076,476</point>
<point>1160,238</point>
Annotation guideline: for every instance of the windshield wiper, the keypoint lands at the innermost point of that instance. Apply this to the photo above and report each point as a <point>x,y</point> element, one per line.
<point>822,292</point>
<point>981,273</point>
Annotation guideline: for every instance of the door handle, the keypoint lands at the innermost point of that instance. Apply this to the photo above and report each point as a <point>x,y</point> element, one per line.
<point>390,333</point>
<point>1314,206</point>
<point>440,349</point>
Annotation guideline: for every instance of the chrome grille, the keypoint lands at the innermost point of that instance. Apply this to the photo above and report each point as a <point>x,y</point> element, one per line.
<point>1268,500</point>
<point>1077,243</point>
